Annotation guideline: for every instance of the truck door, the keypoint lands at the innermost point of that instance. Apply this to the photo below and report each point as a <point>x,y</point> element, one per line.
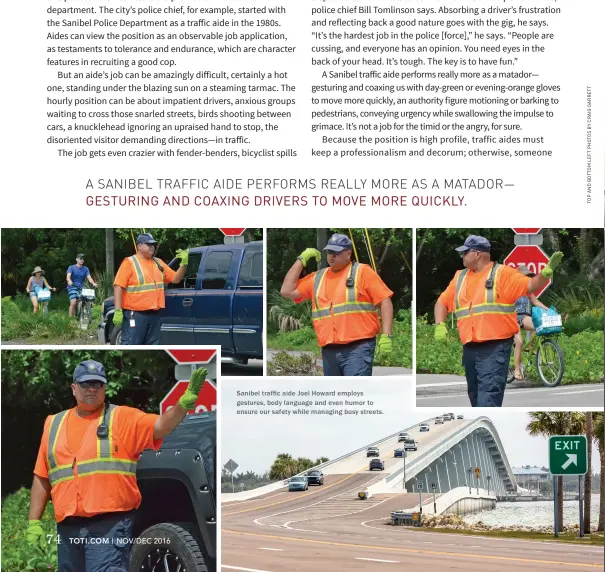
<point>248,304</point>
<point>177,317</point>
<point>214,300</point>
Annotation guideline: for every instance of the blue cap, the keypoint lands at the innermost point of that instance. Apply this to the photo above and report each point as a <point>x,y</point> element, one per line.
<point>338,243</point>
<point>475,243</point>
<point>89,370</point>
<point>146,238</point>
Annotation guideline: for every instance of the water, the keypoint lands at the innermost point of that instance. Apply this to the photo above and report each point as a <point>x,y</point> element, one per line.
<point>538,513</point>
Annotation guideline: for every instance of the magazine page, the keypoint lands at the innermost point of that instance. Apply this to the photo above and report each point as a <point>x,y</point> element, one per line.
<point>298,394</point>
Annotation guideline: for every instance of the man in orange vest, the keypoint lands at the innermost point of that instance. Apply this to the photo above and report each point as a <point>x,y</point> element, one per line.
<point>87,464</point>
<point>482,297</point>
<point>345,299</point>
<point>138,291</point>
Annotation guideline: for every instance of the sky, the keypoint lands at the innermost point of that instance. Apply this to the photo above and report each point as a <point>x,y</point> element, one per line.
<point>253,442</point>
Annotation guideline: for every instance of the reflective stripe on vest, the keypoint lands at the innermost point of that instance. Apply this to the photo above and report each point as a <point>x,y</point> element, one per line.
<point>488,307</point>
<point>143,286</point>
<point>104,463</point>
<point>351,306</point>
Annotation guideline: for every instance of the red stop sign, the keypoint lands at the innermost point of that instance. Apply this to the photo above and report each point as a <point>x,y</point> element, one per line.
<point>232,231</point>
<point>527,230</point>
<point>531,256</point>
<point>206,400</point>
<point>192,356</point>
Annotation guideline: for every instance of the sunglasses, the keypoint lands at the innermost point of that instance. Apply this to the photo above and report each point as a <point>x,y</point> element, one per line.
<point>463,254</point>
<point>93,384</point>
<point>333,252</point>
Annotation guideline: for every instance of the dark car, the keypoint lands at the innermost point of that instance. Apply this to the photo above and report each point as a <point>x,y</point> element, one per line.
<point>399,453</point>
<point>176,522</point>
<point>315,477</point>
<point>219,302</point>
<point>372,452</point>
<point>376,464</point>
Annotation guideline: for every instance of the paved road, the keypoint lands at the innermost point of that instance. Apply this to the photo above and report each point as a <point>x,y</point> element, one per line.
<point>328,528</point>
<point>446,390</point>
<point>376,371</point>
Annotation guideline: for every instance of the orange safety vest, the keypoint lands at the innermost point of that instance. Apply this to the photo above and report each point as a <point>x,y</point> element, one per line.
<point>481,316</point>
<point>103,483</point>
<point>349,317</point>
<point>147,293</point>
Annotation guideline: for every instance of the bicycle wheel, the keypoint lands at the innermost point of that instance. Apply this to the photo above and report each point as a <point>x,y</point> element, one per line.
<point>85,315</point>
<point>550,363</point>
<point>45,308</point>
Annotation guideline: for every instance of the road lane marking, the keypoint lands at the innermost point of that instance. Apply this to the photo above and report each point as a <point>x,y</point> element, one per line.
<point>446,384</point>
<point>378,560</point>
<point>273,549</point>
<point>582,391</point>
<point>415,550</point>
<point>242,569</point>
<point>236,502</point>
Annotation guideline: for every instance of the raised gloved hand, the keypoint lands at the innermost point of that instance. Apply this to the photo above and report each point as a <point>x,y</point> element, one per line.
<point>440,332</point>
<point>309,253</point>
<point>384,346</point>
<point>183,256</point>
<point>35,535</point>
<point>193,389</point>
<point>118,317</point>
<point>554,261</point>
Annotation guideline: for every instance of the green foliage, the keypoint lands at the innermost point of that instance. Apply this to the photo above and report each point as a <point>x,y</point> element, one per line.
<point>286,314</point>
<point>35,384</point>
<point>303,339</point>
<point>579,300</point>
<point>285,364</point>
<point>286,466</point>
<point>583,356</point>
<point>17,554</point>
<point>437,357</point>
<point>401,355</point>
<point>577,324</point>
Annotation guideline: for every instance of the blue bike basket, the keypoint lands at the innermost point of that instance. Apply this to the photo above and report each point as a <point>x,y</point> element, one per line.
<point>546,322</point>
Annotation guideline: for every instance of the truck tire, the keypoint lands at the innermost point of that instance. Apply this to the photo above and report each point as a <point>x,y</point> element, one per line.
<point>171,543</point>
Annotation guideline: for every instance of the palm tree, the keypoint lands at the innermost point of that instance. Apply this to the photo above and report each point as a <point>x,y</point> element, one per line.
<point>597,427</point>
<point>549,423</point>
<point>588,475</point>
<point>283,467</point>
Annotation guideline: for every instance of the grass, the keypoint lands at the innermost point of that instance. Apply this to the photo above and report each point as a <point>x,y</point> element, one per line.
<point>592,539</point>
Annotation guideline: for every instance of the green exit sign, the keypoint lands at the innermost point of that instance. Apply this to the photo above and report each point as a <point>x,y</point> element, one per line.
<point>568,455</point>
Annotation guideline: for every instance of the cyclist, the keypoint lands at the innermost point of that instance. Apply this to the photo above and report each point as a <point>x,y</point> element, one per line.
<point>76,275</point>
<point>523,307</point>
<point>37,282</point>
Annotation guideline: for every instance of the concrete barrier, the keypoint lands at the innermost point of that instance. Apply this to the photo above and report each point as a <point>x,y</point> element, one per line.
<point>458,501</point>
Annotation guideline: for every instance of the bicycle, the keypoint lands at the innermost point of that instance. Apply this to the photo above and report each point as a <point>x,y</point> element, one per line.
<point>85,299</point>
<point>550,362</point>
<point>43,295</point>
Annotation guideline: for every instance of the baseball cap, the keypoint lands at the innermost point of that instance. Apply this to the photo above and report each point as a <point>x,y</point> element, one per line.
<point>475,243</point>
<point>79,255</point>
<point>146,238</point>
<point>338,243</point>
<point>89,370</point>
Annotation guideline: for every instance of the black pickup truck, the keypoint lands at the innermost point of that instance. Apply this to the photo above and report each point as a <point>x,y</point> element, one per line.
<point>176,522</point>
<point>219,302</point>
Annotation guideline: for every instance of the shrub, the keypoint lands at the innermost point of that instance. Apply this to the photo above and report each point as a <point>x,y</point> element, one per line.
<point>437,357</point>
<point>286,314</point>
<point>285,364</point>
<point>17,554</point>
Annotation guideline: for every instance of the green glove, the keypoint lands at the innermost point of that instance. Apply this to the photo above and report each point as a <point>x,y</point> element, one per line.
<point>183,256</point>
<point>384,346</point>
<point>440,332</point>
<point>554,261</point>
<point>309,253</point>
<point>35,534</point>
<point>118,317</point>
<point>193,389</point>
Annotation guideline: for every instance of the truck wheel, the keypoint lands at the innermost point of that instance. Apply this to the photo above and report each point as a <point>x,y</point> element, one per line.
<point>167,546</point>
<point>115,336</point>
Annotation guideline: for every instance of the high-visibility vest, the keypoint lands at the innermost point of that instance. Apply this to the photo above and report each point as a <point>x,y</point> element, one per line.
<point>349,316</point>
<point>103,481</point>
<point>482,316</point>
<point>147,292</point>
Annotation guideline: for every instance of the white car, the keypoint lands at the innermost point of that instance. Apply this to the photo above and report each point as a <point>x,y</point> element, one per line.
<point>438,421</point>
<point>424,428</point>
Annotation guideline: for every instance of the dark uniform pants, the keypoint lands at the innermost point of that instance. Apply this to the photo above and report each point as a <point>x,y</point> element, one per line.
<point>486,367</point>
<point>352,359</point>
<point>100,543</point>
<point>146,330</point>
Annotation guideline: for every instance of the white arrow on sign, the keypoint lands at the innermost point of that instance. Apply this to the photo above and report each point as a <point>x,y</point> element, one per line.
<point>571,460</point>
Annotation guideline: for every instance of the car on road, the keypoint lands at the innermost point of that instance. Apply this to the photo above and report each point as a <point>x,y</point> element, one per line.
<point>410,445</point>
<point>399,452</point>
<point>176,521</point>
<point>446,417</point>
<point>373,452</point>
<point>402,436</point>
<point>424,428</point>
<point>298,484</point>
<point>452,416</point>
<point>459,416</point>
<point>315,477</point>
<point>219,302</point>
<point>376,464</point>
<point>439,420</point>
